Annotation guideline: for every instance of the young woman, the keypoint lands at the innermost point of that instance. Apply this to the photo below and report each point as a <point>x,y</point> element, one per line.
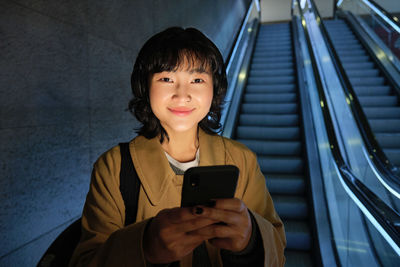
<point>179,83</point>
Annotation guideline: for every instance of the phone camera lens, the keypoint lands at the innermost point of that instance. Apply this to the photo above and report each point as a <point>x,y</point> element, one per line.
<point>195,181</point>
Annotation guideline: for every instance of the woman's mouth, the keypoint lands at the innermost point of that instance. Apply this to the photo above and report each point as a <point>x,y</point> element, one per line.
<point>181,111</point>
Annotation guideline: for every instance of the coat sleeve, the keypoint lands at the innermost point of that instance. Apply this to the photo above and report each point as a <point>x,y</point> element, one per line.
<point>104,240</point>
<point>259,201</point>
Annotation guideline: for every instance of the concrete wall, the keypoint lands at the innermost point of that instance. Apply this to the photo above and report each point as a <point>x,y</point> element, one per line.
<point>325,8</point>
<point>275,10</point>
<point>64,86</point>
<point>279,10</point>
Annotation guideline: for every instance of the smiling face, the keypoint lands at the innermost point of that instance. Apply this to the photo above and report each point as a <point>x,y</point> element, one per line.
<point>181,98</point>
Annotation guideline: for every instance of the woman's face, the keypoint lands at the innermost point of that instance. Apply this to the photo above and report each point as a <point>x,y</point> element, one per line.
<point>181,99</point>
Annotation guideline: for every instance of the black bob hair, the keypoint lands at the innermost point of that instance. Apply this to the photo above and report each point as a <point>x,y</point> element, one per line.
<point>167,51</point>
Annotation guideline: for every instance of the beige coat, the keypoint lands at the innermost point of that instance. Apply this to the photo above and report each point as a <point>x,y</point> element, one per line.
<point>106,242</point>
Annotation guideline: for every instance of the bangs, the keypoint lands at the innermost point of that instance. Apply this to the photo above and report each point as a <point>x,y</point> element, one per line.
<point>183,59</point>
<point>180,49</point>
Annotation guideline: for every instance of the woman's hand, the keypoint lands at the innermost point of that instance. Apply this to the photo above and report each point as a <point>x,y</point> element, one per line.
<point>171,235</point>
<point>235,230</point>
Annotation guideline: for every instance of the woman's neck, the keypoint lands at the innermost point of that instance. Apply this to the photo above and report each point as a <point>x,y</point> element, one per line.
<point>182,146</point>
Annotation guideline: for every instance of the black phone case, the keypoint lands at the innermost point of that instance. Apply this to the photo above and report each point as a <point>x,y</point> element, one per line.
<point>201,184</point>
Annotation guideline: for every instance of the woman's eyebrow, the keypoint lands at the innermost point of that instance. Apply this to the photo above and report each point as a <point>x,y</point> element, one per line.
<point>198,70</point>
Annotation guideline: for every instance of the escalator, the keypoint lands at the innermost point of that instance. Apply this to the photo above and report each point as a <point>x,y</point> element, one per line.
<point>377,97</point>
<point>270,124</point>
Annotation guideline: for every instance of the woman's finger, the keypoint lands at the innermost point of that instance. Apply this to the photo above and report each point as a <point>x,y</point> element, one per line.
<point>232,204</point>
<point>177,215</point>
<point>215,231</point>
<point>194,224</point>
<point>227,216</point>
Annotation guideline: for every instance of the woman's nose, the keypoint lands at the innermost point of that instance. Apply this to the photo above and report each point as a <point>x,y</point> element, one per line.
<point>182,93</point>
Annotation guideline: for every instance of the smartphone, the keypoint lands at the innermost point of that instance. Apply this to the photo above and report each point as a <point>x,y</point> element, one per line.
<point>201,184</point>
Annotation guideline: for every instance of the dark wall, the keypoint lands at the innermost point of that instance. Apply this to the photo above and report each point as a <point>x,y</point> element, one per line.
<point>64,87</point>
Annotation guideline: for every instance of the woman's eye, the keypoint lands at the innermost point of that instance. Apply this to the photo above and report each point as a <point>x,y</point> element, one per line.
<point>198,80</point>
<point>165,79</point>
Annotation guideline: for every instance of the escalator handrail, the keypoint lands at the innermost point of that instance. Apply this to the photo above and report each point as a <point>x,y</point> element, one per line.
<point>327,255</point>
<point>238,37</point>
<point>373,206</point>
<point>228,120</point>
<point>390,19</point>
<point>388,172</point>
<point>236,40</point>
<point>383,14</point>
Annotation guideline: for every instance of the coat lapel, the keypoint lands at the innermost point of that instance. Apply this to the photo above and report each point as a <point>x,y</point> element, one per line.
<point>153,168</point>
<point>212,149</point>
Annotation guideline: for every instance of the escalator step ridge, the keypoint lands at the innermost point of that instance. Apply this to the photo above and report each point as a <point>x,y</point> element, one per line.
<point>275,164</point>
<point>291,207</point>
<point>388,140</point>
<point>285,184</point>
<point>270,72</point>
<point>261,88</point>
<point>260,99</point>
<point>298,235</point>
<point>277,148</point>
<point>277,120</point>
<point>378,101</point>
<point>268,133</point>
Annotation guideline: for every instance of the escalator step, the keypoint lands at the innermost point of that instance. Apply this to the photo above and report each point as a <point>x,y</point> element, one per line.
<point>285,184</point>
<point>274,36</point>
<point>270,65</point>
<point>358,59</point>
<point>273,53</point>
<point>357,66</point>
<point>298,235</point>
<point>385,126</point>
<point>272,60</point>
<point>372,90</point>
<point>288,165</point>
<point>273,73</point>
<point>339,35</point>
<point>378,101</point>
<point>343,41</point>
<point>268,120</point>
<point>281,88</point>
<point>268,133</point>
<point>274,33</point>
<point>370,81</point>
<point>278,148</point>
<point>263,48</point>
<point>298,259</point>
<point>270,98</point>
<point>388,140</point>
<point>349,48</point>
<point>345,52</point>
<point>266,42</point>
<point>382,112</point>
<point>291,207</point>
<point>393,155</point>
<point>269,108</point>
<point>270,80</point>
<point>363,73</point>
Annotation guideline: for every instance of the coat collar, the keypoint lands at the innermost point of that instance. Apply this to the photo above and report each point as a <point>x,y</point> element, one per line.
<point>153,168</point>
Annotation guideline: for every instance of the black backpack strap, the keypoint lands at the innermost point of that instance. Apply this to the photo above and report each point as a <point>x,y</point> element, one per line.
<point>129,184</point>
<point>60,251</point>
